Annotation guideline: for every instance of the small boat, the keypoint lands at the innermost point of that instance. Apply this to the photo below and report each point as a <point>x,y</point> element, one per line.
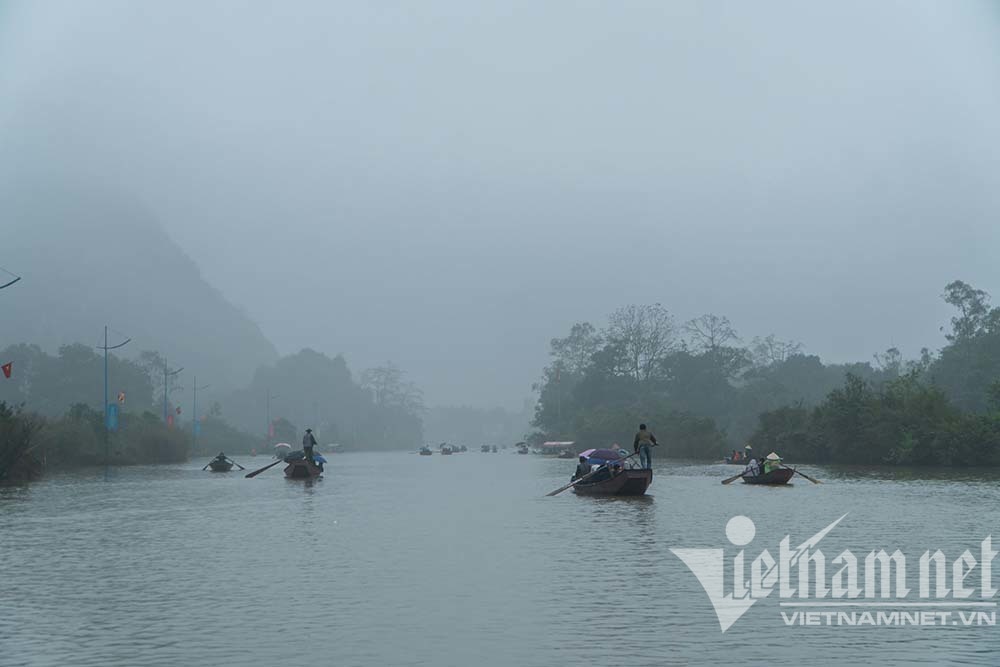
<point>425,451</point>
<point>628,482</point>
<point>775,477</point>
<point>445,451</point>
<point>485,449</point>
<point>522,450</point>
<point>494,450</point>
<point>302,469</point>
<point>220,466</point>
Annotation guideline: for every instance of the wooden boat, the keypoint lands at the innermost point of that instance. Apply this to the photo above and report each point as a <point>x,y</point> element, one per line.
<point>629,482</point>
<point>220,466</point>
<point>522,450</point>
<point>445,451</point>
<point>425,451</point>
<point>302,469</point>
<point>775,477</point>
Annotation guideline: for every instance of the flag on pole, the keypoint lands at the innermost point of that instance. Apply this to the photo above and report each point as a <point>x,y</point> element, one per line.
<point>7,368</point>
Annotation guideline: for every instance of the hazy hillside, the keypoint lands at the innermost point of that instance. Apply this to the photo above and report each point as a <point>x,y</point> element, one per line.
<point>93,258</point>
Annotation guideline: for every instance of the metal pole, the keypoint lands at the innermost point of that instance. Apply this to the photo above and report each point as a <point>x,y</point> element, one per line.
<point>107,441</point>
<point>164,391</point>
<point>107,445</point>
<point>194,418</point>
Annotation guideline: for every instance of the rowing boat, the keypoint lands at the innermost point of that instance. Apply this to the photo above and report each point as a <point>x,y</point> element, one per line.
<point>775,477</point>
<point>629,482</point>
<point>302,469</point>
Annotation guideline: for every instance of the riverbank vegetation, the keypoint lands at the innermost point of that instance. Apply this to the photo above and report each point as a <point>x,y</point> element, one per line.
<point>705,392</point>
<point>60,421</point>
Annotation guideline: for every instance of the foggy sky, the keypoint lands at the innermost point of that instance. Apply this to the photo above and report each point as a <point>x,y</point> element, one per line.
<point>449,184</point>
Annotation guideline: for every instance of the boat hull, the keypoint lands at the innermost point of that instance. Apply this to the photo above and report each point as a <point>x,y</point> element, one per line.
<point>302,469</point>
<point>632,482</point>
<point>774,478</point>
<point>220,466</point>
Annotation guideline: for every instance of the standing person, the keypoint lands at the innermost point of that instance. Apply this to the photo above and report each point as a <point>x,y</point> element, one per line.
<point>643,443</point>
<point>308,442</point>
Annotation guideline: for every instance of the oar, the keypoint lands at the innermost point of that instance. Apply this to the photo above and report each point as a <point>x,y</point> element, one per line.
<point>257,472</point>
<point>733,478</point>
<point>237,464</point>
<point>814,481</point>
<point>206,466</point>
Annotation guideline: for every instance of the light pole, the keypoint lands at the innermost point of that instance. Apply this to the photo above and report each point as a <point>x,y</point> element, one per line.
<point>167,374</point>
<point>105,347</point>
<point>194,415</point>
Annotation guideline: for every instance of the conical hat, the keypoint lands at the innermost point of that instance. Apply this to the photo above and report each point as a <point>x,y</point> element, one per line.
<point>773,457</point>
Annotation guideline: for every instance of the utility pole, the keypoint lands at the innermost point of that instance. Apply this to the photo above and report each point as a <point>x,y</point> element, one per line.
<point>167,374</point>
<point>107,441</point>
<point>194,415</point>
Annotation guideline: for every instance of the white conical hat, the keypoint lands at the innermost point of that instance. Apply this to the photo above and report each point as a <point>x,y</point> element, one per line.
<point>773,457</point>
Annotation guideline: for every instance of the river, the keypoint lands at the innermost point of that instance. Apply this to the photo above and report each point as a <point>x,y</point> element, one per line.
<point>398,559</point>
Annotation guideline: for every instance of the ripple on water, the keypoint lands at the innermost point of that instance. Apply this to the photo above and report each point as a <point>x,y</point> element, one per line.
<point>395,559</point>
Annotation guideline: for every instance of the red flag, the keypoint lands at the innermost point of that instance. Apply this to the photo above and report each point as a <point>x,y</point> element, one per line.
<point>7,368</point>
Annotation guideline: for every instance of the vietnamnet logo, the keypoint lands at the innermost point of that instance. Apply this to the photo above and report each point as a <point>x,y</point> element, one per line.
<point>871,590</point>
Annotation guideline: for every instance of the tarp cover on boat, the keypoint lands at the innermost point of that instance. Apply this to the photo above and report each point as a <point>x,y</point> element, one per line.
<point>600,456</point>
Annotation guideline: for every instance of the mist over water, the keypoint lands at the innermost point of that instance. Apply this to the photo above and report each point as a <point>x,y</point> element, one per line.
<point>450,186</point>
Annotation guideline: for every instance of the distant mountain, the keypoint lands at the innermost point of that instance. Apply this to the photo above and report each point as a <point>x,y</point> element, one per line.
<point>88,258</point>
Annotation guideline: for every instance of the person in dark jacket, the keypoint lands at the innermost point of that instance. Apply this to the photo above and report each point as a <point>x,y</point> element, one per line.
<point>643,443</point>
<point>308,442</point>
<point>582,468</point>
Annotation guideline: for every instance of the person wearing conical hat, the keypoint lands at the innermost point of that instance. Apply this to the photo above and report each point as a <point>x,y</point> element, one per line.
<point>771,462</point>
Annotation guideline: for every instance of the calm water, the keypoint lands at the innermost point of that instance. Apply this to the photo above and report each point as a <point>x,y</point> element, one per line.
<point>397,559</point>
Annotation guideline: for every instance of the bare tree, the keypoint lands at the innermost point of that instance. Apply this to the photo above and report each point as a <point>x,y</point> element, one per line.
<point>710,332</point>
<point>770,350</point>
<point>645,335</point>
<point>389,389</point>
<point>574,352</point>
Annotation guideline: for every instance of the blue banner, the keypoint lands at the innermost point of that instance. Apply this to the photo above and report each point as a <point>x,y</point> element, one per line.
<point>112,417</point>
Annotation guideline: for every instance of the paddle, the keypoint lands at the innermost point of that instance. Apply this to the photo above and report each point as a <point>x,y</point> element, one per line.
<point>733,478</point>
<point>814,481</point>
<point>236,464</point>
<point>257,472</point>
<point>206,466</point>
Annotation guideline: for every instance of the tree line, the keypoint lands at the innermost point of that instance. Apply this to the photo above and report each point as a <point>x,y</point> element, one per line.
<point>707,392</point>
<point>53,407</point>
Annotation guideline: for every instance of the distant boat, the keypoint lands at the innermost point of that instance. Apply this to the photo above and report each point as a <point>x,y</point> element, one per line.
<point>220,466</point>
<point>494,449</point>
<point>425,451</point>
<point>485,449</point>
<point>445,450</point>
